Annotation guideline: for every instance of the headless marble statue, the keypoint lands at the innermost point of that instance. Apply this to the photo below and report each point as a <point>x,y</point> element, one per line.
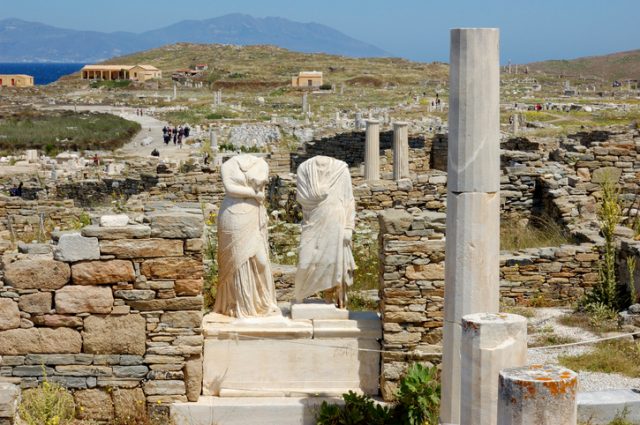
<point>245,283</point>
<point>328,208</point>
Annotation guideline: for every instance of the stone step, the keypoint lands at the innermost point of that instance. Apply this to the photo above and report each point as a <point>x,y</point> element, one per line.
<point>601,407</point>
<point>249,410</point>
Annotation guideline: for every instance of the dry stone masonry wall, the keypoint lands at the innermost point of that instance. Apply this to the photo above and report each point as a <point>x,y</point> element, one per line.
<point>113,313</point>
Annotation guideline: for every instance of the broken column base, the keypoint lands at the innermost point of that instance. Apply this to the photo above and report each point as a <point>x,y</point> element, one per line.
<point>537,395</point>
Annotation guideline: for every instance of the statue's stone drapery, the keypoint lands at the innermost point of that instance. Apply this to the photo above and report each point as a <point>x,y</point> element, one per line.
<point>245,283</point>
<point>328,207</point>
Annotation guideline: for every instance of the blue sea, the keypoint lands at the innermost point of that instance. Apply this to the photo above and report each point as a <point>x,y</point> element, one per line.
<point>43,73</point>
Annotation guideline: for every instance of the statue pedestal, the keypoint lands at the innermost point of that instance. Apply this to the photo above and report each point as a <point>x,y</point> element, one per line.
<point>280,357</point>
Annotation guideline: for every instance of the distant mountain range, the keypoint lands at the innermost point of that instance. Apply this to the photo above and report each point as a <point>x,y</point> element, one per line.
<point>22,41</point>
<point>615,66</point>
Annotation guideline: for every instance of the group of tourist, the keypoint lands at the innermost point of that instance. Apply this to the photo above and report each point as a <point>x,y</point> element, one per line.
<point>175,133</point>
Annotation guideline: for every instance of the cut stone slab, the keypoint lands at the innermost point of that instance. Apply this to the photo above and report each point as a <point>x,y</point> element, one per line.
<point>102,272</point>
<point>278,357</point>
<point>360,325</point>
<point>604,174</point>
<point>142,248</point>
<point>137,231</point>
<point>74,247</point>
<point>250,410</point>
<point>115,334</point>
<point>36,303</point>
<point>34,248</point>
<point>176,225</point>
<point>313,311</point>
<point>601,407</point>
<point>172,268</point>
<point>9,398</point>
<point>74,299</point>
<point>38,273</point>
<point>115,220</point>
<point>16,342</point>
<point>9,314</point>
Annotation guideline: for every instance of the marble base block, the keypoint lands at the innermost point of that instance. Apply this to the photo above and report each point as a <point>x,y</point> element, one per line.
<point>279,357</point>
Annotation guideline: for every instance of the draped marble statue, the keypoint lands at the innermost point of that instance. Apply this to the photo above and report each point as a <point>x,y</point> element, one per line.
<point>328,209</point>
<point>245,283</point>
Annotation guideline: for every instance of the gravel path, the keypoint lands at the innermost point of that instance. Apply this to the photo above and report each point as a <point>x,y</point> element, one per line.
<point>587,381</point>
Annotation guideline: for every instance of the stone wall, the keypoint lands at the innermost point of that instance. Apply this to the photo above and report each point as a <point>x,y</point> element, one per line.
<point>411,291</point>
<point>113,313</point>
<point>412,252</point>
<point>21,219</point>
<point>548,276</point>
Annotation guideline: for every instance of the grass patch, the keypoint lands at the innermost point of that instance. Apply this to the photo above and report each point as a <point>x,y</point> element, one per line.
<point>614,356</point>
<point>527,312</point>
<point>116,84</point>
<point>540,232</point>
<point>60,130</point>
<point>547,339</point>
<point>596,323</point>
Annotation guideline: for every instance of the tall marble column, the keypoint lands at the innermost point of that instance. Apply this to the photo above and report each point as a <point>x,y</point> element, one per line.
<point>473,198</point>
<point>400,150</point>
<point>372,151</point>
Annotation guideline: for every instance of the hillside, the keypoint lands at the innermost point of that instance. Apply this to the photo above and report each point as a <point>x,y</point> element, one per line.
<point>22,41</point>
<point>616,66</point>
<point>246,65</point>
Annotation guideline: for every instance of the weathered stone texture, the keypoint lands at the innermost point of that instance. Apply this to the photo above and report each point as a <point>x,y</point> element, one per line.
<point>172,268</point>
<point>39,341</point>
<point>142,248</point>
<point>115,334</point>
<point>9,314</point>
<point>84,299</point>
<point>75,247</point>
<point>102,272</point>
<point>37,303</point>
<point>37,273</point>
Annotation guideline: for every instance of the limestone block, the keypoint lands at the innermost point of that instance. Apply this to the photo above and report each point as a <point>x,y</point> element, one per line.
<point>37,303</point>
<point>9,399</point>
<point>115,334</point>
<point>169,304</point>
<point>193,377</point>
<point>74,247</point>
<point>490,342</point>
<point>359,325</point>
<point>432,271</point>
<point>129,405</point>
<point>188,287</point>
<point>137,231</point>
<point>604,174</point>
<point>102,272</point>
<point>34,248</point>
<point>135,294</point>
<point>93,405</point>
<point>168,387</point>
<point>176,225</point>
<point>395,221</point>
<point>537,395</point>
<point>115,220</point>
<point>37,273</point>
<point>142,248</point>
<point>84,299</point>
<point>172,268</point>
<point>310,311</point>
<point>39,341</point>
<point>602,407</point>
<point>9,314</point>
<point>182,319</point>
<point>57,321</point>
<point>474,111</point>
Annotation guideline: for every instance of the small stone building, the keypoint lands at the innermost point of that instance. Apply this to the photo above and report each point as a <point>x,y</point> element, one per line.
<point>16,80</point>
<point>307,79</point>
<point>120,72</point>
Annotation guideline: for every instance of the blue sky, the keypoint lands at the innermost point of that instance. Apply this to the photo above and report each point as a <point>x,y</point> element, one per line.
<point>416,29</point>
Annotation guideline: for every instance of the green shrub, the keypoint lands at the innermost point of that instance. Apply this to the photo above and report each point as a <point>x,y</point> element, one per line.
<point>606,294</point>
<point>357,410</point>
<point>48,404</point>
<point>326,86</point>
<point>418,396</point>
